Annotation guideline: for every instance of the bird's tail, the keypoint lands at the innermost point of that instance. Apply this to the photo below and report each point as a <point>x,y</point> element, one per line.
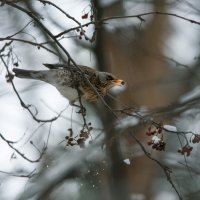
<point>23,73</point>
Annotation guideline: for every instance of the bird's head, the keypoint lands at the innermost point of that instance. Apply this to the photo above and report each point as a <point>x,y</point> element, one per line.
<point>109,80</point>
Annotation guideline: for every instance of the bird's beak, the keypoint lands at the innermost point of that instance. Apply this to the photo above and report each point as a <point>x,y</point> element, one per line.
<point>118,82</point>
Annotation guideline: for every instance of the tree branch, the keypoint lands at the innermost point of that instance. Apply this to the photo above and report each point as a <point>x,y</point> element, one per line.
<point>150,13</point>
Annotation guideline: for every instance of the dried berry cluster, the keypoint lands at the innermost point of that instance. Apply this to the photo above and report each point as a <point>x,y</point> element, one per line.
<point>79,139</point>
<point>196,139</point>
<point>85,16</point>
<point>82,31</point>
<point>187,149</point>
<point>81,34</point>
<point>156,141</point>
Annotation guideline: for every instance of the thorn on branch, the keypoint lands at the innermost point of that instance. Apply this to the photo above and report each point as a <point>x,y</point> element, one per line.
<point>23,104</point>
<point>43,2</point>
<point>13,156</point>
<point>140,18</point>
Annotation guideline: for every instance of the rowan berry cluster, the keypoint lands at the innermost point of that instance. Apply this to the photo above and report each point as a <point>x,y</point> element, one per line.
<point>187,149</point>
<point>81,31</point>
<point>156,141</point>
<point>79,139</point>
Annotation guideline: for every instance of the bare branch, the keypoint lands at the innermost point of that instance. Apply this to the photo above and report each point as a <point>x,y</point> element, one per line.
<point>139,16</point>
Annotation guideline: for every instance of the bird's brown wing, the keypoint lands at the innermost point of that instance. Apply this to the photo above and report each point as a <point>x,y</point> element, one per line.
<point>86,70</point>
<point>53,66</point>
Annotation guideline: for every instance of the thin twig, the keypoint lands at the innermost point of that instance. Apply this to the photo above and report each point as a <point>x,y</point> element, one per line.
<point>22,154</point>
<point>67,15</point>
<point>39,45</point>
<point>20,31</point>
<point>29,175</point>
<point>150,13</point>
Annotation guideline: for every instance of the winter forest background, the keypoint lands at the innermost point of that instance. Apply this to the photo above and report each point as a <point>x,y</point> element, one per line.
<point>142,141</point>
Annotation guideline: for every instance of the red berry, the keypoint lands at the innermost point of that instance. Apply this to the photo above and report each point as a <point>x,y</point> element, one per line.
<point>85,16</point>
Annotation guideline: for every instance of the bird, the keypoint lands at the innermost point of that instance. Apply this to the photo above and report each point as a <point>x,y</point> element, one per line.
<point>72,81</point>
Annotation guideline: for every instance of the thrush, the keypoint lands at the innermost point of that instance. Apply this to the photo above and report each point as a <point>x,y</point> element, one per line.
<point>71,82</point>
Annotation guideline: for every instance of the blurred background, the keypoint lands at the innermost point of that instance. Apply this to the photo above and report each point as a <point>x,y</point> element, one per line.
<point>156,52</point>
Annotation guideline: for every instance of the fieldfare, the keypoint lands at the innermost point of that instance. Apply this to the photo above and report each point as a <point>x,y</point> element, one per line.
<point>71,82</point>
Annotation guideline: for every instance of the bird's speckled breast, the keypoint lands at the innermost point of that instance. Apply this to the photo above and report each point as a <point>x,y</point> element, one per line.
<point>89,93</point>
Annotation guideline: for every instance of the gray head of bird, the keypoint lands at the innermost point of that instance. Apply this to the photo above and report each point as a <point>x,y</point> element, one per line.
<point>109,80</point>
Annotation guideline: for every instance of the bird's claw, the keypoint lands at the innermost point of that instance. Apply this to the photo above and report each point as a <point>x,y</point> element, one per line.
<point>82,111</point>
<point>82,108</point>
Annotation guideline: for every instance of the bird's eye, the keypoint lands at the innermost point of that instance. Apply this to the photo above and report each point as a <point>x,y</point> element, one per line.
<point>109,78</point>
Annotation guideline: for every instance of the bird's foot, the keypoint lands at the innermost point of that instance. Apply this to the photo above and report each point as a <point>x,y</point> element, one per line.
<point>82,108</point>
